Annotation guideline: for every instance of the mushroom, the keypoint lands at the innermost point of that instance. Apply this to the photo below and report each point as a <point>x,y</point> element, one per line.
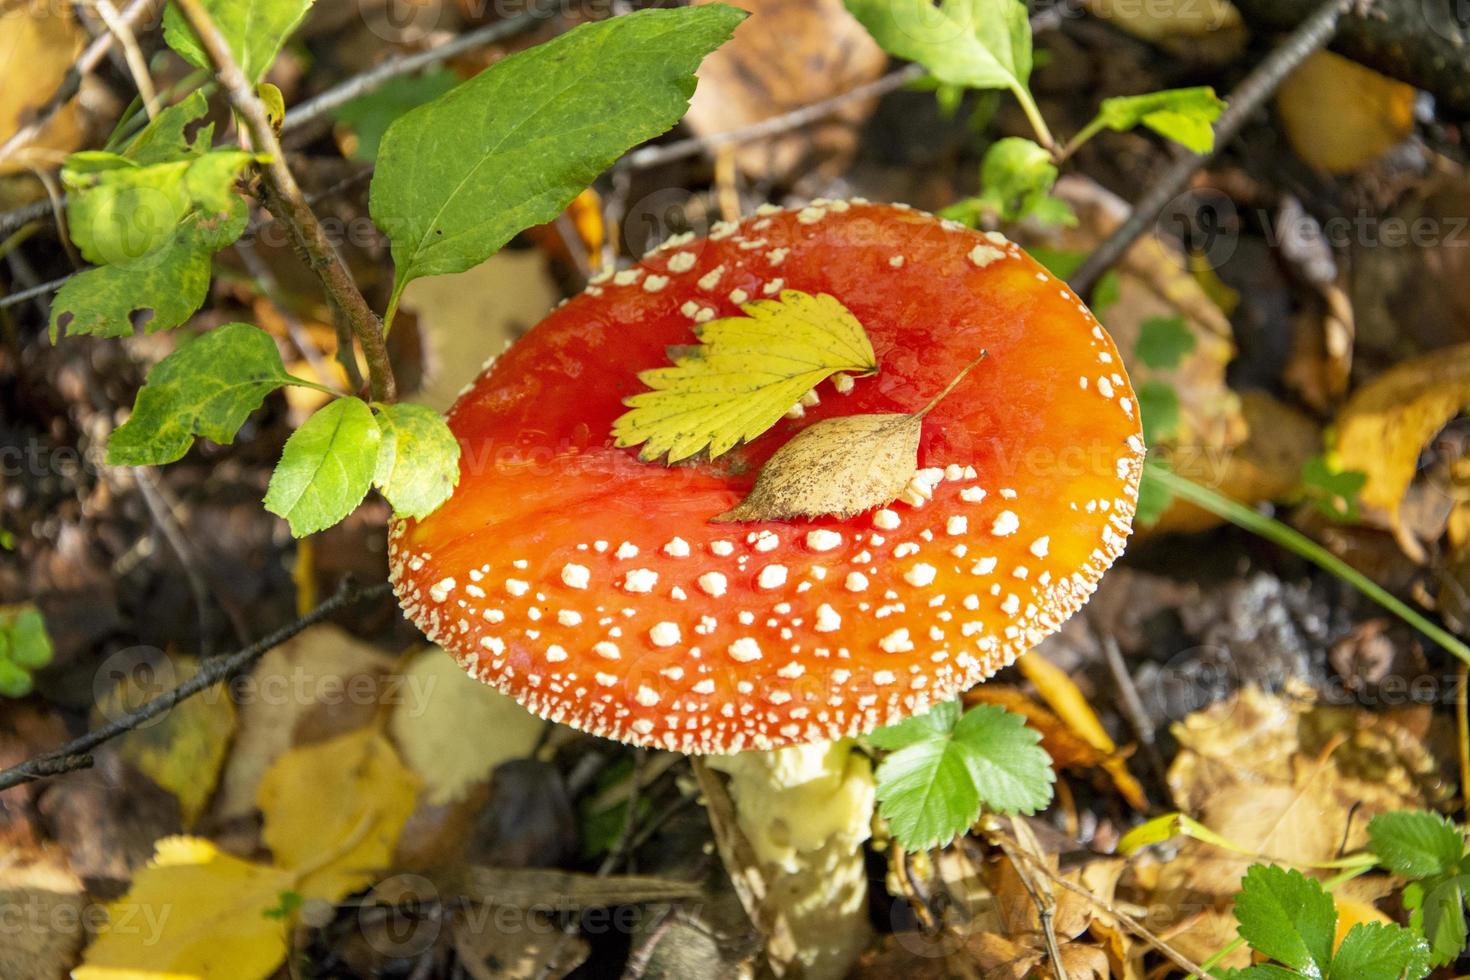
<point>595,588</point>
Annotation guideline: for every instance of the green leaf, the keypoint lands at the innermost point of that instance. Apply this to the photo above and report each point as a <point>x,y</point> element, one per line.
<point>746,372</point>
<point>946,765</point>
<point>1437,912</point>
<point>1380,949</point>
<point>254,29</point>
<point>1416,843</point>
<point>326,467</point>
<point>1333,492</point>
<point>1158,410</point>
<point>30,644</point>
<point>1016,178</point>
<point>508,149</point>
<point>369,116</point>
<point>15,681</point>
<point>1163,341</point>
<point>179,132</point>
<point>418,459</point>
<point>152,229</point>
<point>1184,115</point>
<point>205,388</point>
<point>156,292</point>
<point>972,43</point>
<point>1288,917</point>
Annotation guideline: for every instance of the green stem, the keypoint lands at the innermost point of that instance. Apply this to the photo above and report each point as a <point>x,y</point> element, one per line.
<point>1297,543</point>
<point>1215,960</point>
<point>1083,135</point>
<point>303,383</point>
<point>392,309</point>
<point>1033,114</point>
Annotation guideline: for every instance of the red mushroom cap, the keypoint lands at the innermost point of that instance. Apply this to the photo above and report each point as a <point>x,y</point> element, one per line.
<point>594,589</point>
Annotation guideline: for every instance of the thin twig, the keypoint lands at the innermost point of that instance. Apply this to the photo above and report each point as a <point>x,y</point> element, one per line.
<point>1128,922</point>
<point>174,535</point>
<point>131,16</point>
<point>374,78</point>
<point>137,64</point>
<point>284,198</point>
<point>76,754</point>
<point>1250,95</point>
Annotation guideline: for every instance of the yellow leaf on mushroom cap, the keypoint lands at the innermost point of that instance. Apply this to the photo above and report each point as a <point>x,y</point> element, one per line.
<point>744,375</point>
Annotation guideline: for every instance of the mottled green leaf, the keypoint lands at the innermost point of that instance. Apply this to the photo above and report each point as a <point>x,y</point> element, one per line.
<point>156,292</point>
<point>254,29</point>
<point>418,459</point>
<point>458,177</point>
<point>181,131</point>
<point>205,388</point>
<point>326,467</point>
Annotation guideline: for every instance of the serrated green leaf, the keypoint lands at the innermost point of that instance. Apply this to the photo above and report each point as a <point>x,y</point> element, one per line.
<point>1288,917</point>
<point>1184,115</point>
<point>29,643</point>
<point>369,116</point>
<point>1416,843</point>
<point>1016,178</point>
<point>972,43</point>
<point>418,459</point>
<point>326,467</point>
<point>1380,949</point>
<point>254,29</point>
<point>508,149</point>
<point>744,375</point>
<point>1158,410</point>
<point>1262,971</point>
<point>946,765</point>
<point>1163,341</point>
<point>205,388</point>
<point>1437,912</point>
<point>180,132</point>
<point>156,292</point>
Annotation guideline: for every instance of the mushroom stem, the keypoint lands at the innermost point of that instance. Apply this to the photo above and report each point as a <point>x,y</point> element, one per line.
<point>951,386</point>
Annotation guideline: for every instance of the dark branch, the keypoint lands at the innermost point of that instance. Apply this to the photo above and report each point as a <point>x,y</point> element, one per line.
<point>76,754</point>
<point>1248,97</point>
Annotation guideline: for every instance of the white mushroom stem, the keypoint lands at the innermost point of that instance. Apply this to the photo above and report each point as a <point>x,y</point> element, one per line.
<point>806,811</point>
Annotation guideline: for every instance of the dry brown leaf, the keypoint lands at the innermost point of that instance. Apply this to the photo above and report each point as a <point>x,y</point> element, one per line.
<point>1283,778</point>
<point>1340,116</point>
<point>789,54</point>
<point>323,667</point>
<point>48,914</point>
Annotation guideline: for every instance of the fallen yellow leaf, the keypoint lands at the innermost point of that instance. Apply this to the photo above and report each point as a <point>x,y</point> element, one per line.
<point>1387,422</point>
<point>453,730</point>
<point>184,750</point>
<point>194,913</point>
<point>334,810</point>
<point>1340,116</point>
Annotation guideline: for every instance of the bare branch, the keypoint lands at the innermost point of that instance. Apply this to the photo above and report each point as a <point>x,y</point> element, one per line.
<point>77,754</point>
<point>285,200</point>
<point>1248,97</point>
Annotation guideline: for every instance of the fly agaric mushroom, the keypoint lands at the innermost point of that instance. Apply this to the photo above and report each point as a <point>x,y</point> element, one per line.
<point>595,588</point>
